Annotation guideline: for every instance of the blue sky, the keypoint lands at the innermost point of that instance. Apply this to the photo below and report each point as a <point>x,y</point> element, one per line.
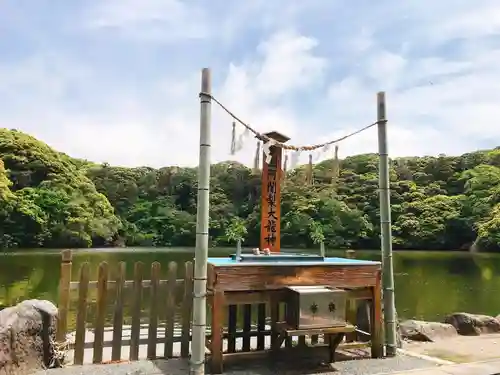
<point>118,80</point>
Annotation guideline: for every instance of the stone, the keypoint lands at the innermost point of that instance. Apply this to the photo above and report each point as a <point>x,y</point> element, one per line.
<point>473,324</point>
<point>417,330</point>
<point>399,335</point>
<point>27,337</point>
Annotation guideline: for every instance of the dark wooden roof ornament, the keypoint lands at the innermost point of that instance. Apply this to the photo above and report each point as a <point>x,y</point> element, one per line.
<point>277,136</point>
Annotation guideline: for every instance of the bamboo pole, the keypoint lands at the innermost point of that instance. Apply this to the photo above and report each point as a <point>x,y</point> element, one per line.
<point>197,363</point>
<point>386,231</point>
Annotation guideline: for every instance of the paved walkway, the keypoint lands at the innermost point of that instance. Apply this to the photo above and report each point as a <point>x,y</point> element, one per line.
<point>304,364</point>
<point>282,366</point>
<point>491,367</point>
<point>460,349</point>
<point>360,367</point>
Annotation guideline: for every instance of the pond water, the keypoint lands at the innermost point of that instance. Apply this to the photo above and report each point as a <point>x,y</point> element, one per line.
<point>429,285</point>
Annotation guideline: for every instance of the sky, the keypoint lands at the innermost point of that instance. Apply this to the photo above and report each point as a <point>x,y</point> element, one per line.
<point>117,81</point>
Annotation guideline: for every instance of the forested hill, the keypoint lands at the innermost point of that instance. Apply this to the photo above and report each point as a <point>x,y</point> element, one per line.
<point>48,199</point>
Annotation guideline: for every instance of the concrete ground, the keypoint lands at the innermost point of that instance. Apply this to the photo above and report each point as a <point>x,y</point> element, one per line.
<point>252,367</point>
<point>417,358</point>
<point>400,365</point>
<point>491,367</point>
<point>460,349</point>
<point>298,361</point>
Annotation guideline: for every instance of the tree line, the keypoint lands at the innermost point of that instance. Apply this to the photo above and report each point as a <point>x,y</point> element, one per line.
<point>51,200</point>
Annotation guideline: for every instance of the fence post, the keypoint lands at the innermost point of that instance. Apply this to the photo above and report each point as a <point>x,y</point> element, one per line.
<point>187,310</point>
<point>64,295</point>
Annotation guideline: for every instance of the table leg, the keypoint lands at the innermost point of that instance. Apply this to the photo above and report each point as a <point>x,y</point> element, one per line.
<point>274,306</point>
<point>334,341</point>
<point>288,339</point>
<point>217,323</point>
<point>351,318</point>
<point>377,341</point>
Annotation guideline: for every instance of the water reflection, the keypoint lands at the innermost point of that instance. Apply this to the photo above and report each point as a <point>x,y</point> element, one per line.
<point>428,284</point>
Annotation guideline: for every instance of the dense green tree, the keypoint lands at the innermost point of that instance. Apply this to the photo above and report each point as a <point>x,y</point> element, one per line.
<point>53,202</point>
<point>48,199</point>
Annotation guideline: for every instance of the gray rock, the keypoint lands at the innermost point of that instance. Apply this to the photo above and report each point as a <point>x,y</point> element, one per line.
<point>473,324</point>
<point>417,330</point>
<point>27,337</point>
<point>399,335</point>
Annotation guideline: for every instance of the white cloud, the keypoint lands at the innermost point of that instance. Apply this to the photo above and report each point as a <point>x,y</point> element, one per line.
<point>288,64</point>
<point>304,70</point>
<point>158,20</point>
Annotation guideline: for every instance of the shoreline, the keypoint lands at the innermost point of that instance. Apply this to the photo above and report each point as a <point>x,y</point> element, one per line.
<point>181,249</point>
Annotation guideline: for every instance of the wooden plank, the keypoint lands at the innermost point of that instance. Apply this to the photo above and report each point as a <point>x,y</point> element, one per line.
<point>288,339</point>
<point>232,321</point>
<point>247,327</point>
<point>116,351</point>
<point>315,331</point>
<point>243,297</point>
<point>216,326</point>
<point>102,295</point>
<point>136,312</point>
<point>275,314</point>
<point>153,310</point>
<point>253,277</point>
<point>345,345</point>
<point>355,345</point>
<point>270,236</point>
<point>211,277</point>
<point>261,325</point>
<point>81,314</point>
<point>364,320</point>
<point>161,339</point>
<point>377,321</point>
<point>187,309</point>
<point>357,293</point>
<point>128,284</point>
<point>300,351</point>
<point>360,293</point>
<point>351,316</point>
<point>254,297</point>
<point>170,311</point>
<point>64,297</point>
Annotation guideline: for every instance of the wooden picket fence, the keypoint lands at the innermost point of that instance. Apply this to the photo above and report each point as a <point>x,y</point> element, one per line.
<point>158,301</point>
<point>108,302</point>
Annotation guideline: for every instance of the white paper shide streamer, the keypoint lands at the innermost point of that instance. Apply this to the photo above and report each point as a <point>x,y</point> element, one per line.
<point>238,143</point>
<point>266,148</point>
<point>321,152</point>
<point>241,140</point>
<point>294,159</point>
